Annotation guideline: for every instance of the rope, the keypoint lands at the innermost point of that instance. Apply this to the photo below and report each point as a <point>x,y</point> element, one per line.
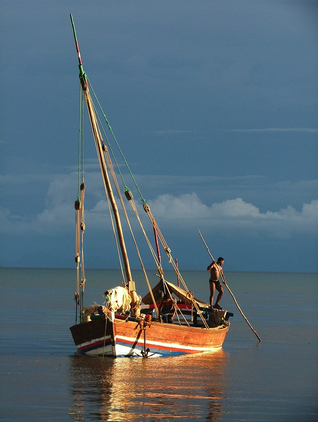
<point>109,162</point>
<point>172,262</point>
<point>116,238</point>
<point>99,128</point>
<point>110,165</point>
<point>118,146</point>
<point>106,319</point>
<point>154,255</point>
<point>116,321</point>
<point>106,138</point>
<point>108,159</point>
<point>82,230</point>
<point>175,305</point>
<point>80,171</point>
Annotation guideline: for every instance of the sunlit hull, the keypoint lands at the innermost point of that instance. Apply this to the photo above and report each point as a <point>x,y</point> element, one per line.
<point>122,338</point>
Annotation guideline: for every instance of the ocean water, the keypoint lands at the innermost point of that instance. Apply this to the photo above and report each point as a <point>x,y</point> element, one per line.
<point>42,379</point>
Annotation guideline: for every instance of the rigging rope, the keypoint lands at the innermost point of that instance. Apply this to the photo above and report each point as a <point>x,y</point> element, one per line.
<point>108,159</point>
<point>111,168</point>
<point>80,170</point>
<point>107,152</point>
<point>172,261</point>
<point>116,239</point>
<point>118,146</point>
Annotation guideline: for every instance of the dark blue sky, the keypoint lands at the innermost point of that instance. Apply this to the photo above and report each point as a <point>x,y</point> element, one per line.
<point>215,106</point>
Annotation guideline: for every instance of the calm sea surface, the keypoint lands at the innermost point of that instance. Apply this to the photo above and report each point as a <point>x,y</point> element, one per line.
<point>42,379</point>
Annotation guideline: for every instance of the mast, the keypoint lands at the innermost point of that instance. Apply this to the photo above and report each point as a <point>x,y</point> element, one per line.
<point>100,146</point>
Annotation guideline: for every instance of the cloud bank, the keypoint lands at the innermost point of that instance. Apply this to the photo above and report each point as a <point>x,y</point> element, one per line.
<point>236,214</point>
<point>178,212</point>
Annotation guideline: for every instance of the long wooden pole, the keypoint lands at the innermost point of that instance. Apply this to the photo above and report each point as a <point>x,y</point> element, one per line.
<point>98,144</point>
<point>225,283</point>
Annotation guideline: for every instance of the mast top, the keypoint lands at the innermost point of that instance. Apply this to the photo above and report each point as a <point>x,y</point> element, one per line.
<point>82,74</point>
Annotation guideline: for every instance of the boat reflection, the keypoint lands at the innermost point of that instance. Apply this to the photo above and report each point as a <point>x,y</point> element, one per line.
<point>148,389</point>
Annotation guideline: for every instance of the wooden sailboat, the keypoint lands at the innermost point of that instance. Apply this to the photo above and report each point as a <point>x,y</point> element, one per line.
<point>169,320</point>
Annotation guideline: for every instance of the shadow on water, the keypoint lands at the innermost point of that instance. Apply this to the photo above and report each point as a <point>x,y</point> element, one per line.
<point>148,389</point>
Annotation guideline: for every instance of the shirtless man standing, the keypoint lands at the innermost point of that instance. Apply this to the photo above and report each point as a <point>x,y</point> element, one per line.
<point>215,271</point>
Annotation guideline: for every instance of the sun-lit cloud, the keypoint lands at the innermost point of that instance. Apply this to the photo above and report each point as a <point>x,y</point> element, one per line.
<point>235,214</point>
<point>180,212</point>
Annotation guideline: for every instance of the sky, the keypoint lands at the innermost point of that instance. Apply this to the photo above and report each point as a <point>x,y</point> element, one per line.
<point>214,104</point>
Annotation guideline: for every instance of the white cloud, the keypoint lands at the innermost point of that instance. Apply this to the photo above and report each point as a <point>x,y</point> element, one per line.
<point>56,216</point>
<point>234,208</point>
<point>179,212</point>
<point>235,214</point>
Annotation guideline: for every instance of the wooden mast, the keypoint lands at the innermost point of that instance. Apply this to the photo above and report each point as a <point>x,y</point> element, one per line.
<point>99,144</point>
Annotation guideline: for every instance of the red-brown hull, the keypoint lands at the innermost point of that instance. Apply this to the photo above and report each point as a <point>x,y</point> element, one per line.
<point>127,338</point>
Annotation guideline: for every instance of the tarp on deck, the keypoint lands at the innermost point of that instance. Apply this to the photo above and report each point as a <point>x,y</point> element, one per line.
<point>183,295</point>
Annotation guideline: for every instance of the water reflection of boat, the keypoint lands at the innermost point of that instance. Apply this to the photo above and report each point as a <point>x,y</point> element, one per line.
<point>171,321</point>
<point>129,390</point>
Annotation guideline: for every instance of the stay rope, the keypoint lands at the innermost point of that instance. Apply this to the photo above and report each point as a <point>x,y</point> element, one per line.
<point>80,169</point>
<point>116,238</point>
<point>108,153</point>
<point>113,174</point>
<point>107,150</point>
<point>173,263</point>
<point>118,146</point>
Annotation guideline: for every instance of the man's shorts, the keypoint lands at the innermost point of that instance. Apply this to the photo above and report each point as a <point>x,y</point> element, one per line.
<point>216,282</point>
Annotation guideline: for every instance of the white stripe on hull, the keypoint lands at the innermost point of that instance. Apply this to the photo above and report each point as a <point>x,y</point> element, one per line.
<point>127,347</point>
<point>96,347</point>
<point>166,346</point>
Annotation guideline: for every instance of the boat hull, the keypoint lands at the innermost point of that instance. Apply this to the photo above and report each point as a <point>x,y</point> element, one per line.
<point>126,338</point>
